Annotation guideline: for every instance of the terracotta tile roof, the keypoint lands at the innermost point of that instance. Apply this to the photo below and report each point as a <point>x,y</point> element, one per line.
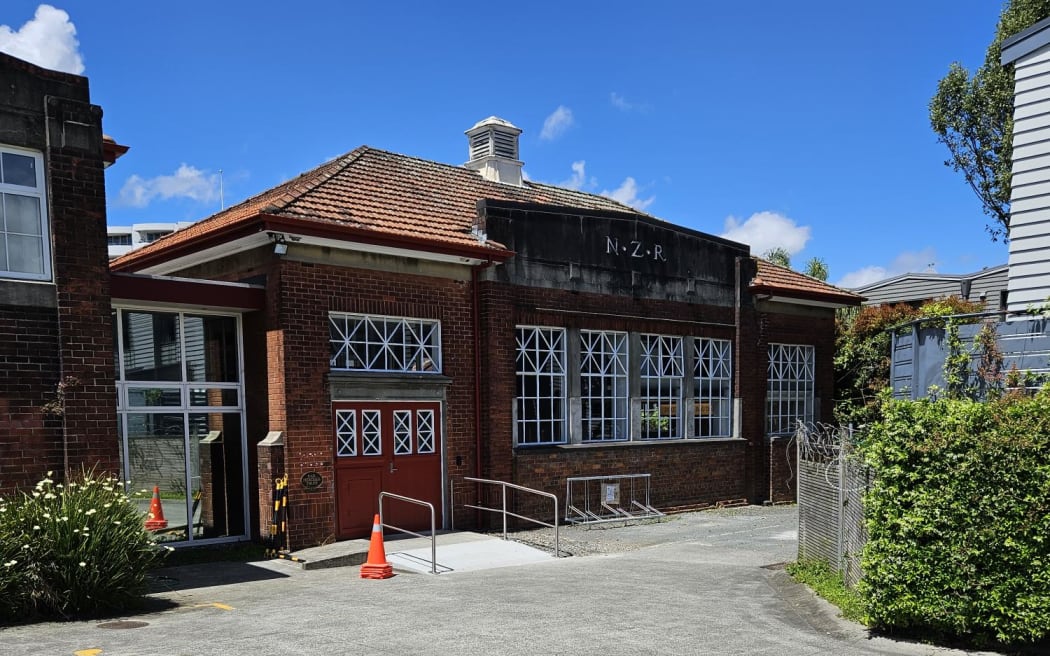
<point>781,281</point>
<point>370,191</point>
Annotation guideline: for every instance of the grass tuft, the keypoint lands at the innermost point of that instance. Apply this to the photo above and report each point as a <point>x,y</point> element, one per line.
<point>829,585</point>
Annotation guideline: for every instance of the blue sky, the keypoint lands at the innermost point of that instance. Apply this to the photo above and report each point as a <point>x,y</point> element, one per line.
<point>802,124</point>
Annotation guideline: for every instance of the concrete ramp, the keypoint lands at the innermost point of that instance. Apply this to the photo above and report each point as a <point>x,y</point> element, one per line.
<point>461,552</point>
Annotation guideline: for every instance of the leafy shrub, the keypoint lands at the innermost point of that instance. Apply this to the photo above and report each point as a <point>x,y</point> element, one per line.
<point>72,550</point>
<point>959,519</point>
<point>862,351</point>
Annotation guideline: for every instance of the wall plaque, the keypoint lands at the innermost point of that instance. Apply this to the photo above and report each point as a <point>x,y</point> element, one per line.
<point>311,480</point>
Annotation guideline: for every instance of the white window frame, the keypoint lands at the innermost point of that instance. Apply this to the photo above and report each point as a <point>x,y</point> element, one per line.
<point>349,333</point>
<point>662,364</point>
<point>40,193</point>
<point>605,363</point>
<point>712,387</point>
<point>542,362</point>
<point>790,387</point>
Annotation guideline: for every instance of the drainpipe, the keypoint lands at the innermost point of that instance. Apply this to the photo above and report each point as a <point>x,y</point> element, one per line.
<point>475,277</point>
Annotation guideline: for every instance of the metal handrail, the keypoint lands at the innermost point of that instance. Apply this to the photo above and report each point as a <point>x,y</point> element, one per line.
<point>503,510</point>
<point>433,525</point>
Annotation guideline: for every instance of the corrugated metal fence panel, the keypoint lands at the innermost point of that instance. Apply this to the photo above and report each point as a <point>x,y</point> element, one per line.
<point>818,517</point>
<point>854,532</point>
<point>831,488</point>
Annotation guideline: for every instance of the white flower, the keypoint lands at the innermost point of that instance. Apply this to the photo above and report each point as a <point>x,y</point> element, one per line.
<point>106,505</point>
<point>36,527</point>
<point>91,512</point>
<point>10,563</point>
<point>47,515</point>
<point>64,518</point>
<point>83,564</point>
<point>117,522</point>
<point>50,496</point>
<point>36,493</point>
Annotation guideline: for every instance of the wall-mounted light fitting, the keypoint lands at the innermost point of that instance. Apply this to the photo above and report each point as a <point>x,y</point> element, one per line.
<point>280,246</point>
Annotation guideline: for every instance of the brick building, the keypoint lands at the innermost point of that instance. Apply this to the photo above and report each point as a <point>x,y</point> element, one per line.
<point>397,324</point>
<point>54,285</point>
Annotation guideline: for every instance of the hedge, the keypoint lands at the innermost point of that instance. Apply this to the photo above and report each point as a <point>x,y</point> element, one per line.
<point>958,519</point>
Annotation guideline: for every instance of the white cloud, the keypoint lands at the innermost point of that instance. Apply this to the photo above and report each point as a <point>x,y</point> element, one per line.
<point>557,123</point>
<point>764,231</point>
<point>627,193</point>
<point>579,179</point>
<point>187,182</point>
<point>621,103</point>
<point>48,40</point>
<point>907,262</point>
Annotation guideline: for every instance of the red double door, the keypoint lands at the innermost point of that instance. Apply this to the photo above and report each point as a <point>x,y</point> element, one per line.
<point>386,446</point>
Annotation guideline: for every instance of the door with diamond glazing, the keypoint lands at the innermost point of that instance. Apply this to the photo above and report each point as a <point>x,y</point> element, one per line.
<point>391,446</point>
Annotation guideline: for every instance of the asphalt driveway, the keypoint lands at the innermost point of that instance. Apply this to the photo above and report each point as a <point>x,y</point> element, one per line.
<point>700,583</point>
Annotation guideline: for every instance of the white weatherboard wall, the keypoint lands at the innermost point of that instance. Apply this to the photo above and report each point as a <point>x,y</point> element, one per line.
<point>1029,280</point>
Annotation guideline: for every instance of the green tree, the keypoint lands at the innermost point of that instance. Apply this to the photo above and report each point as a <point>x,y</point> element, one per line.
<point>779,256</point>
<point>817,268</point>
<point>973,117</point>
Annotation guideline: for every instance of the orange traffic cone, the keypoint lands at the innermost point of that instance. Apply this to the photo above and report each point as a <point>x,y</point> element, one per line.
<point>376,566</point>
<point>155,520</point>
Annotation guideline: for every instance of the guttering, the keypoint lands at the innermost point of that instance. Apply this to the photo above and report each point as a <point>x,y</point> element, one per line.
<point>495,253</point>
<point>148,256</point>
<point>802,296</point>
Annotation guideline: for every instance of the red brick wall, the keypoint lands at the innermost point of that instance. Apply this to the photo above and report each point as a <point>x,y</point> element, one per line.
<point>299,341</point>
<point>30,440</point>
<point>78,214</point>
<point>693,473</point>
<point>696,472</point>
<point>816,328</point>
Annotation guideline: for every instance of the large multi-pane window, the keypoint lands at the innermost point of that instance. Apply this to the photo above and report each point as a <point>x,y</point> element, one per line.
<point>789,393</point>
<point>24,238</point>
<point>604,386</point>
<point>375,343</point>
<point>620,386</point>
<point>662,370</point>
<point>181,410</point>
<point>712,387</point>
<point>540,369</point>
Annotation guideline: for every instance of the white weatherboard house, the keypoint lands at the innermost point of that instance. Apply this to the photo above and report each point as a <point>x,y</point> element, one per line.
<point>1029,277</point>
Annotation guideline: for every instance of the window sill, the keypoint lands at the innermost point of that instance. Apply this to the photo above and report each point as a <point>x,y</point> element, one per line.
<point>629,444</point>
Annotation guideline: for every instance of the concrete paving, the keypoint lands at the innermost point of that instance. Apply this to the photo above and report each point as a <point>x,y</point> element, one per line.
<point>702,583</point>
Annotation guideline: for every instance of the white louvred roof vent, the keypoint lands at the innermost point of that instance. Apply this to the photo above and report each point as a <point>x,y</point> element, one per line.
<point>493,145</point>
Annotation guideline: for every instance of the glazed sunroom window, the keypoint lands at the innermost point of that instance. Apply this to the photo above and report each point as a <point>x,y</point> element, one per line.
<point>392,344</point>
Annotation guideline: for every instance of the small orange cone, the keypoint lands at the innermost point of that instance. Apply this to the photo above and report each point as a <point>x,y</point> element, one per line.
<point>376,566</point>
<point>155,520</point>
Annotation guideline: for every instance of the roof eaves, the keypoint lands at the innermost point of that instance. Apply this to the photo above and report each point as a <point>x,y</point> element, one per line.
<point>843,297</point>
<point>490,250</point>
<point>1025,42</point>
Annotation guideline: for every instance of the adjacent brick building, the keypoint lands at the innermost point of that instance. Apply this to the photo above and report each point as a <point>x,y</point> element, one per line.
<point>57,409</point>
<point>423,324</point>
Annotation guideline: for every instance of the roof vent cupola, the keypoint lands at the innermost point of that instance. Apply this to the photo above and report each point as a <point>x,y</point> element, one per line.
<point>494,151</point>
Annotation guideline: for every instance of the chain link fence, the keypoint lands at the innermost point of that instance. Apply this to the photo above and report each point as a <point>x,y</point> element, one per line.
<point>831,486</point>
